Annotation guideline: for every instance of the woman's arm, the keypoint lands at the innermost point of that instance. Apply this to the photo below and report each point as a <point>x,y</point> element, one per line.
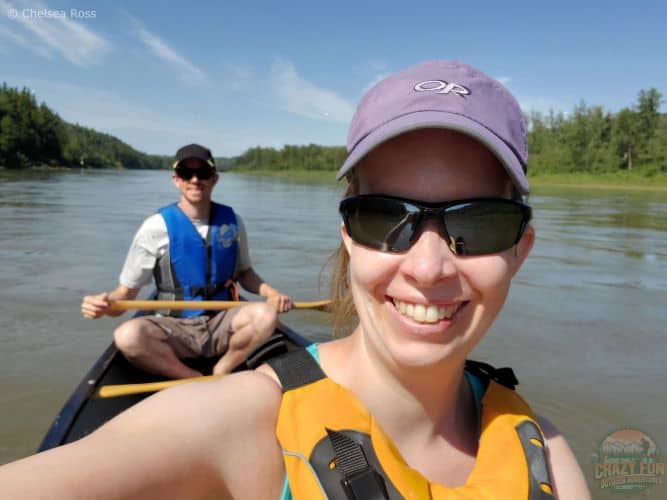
<point>566,475</point>
<point>199,440</point>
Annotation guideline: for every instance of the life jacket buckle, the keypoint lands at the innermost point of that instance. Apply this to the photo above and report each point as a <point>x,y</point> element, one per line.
<point>365,485</point>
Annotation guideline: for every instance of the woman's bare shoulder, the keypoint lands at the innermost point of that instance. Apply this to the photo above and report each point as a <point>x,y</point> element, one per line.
<point>566,474</point>
<point>226,409</point>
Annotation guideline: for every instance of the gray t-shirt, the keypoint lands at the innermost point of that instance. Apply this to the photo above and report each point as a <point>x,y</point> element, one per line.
<point>152,242</point>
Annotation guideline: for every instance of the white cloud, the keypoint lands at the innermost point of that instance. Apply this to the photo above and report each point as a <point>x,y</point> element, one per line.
<point>144,128</point>
<point>20,40</point>
<point>301,97</point>
<point>59,34</point>
<point>377,79</point>
<point>189,73</point>
<point>378,66</point>
<point>381,70</point>
<point>540,104</point>
<point>15,38</point>
<point>504,80</point>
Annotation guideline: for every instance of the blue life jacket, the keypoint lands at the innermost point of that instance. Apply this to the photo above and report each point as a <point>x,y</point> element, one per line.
<point>195,268</point>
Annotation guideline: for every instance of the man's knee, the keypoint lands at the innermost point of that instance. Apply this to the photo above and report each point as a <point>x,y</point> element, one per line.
<point>265,317</point>
<point>261,317</point>
<point>130,337</point>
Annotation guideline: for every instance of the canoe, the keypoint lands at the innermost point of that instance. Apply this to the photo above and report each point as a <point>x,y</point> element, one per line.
<point>84,412</point>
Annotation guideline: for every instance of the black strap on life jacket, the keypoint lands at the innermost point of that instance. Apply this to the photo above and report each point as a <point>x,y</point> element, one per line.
<point>540,486</point>
<point>295,369</point>
<point>484,371</point>
<point>360,480</point>
<point>206,291</point>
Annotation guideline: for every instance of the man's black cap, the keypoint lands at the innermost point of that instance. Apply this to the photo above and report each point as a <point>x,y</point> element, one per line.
<point>194,151</point>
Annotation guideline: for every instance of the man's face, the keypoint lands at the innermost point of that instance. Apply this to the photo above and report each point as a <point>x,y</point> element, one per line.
<point>194,190</point>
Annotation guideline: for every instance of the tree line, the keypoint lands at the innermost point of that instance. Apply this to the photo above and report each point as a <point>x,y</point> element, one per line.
<point>31,134</point>
<point>588,139</point>
<point>310,157</point>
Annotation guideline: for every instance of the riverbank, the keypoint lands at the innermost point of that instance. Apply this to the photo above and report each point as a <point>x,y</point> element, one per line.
<point>621,180</point>
<point>301,176</point>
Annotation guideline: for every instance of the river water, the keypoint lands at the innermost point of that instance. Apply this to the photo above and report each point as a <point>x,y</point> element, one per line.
<point>584,326</point>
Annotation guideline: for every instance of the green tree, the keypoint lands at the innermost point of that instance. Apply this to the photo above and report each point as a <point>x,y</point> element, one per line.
<point>627,135</point>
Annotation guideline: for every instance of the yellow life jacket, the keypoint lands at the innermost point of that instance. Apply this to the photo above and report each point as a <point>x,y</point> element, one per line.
<point>334,448</point>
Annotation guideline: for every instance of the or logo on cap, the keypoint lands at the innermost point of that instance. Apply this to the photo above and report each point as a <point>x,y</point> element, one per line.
<point>442,87</point>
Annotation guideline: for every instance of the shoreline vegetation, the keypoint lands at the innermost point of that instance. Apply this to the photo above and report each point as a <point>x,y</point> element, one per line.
<point>567,180</point>
<point>607,181</point>
<point>588,147</point>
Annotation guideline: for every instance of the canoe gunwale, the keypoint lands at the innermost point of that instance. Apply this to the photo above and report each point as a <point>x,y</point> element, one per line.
<point>66,417</point>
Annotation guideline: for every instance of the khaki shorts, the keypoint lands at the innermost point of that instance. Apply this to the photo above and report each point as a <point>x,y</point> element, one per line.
<point>203,336</point>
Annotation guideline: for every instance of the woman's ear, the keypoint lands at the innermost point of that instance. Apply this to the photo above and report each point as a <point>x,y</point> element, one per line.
<point>522,248</point>
<point>347,241</point>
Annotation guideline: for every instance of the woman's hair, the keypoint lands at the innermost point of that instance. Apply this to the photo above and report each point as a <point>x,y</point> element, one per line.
<point>343,313</point>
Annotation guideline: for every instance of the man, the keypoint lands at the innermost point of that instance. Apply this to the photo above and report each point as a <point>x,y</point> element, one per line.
<point>194,249</point>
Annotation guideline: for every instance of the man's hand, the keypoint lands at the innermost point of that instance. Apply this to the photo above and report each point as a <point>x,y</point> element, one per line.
<point>280,301</point>
<point>95,306</point>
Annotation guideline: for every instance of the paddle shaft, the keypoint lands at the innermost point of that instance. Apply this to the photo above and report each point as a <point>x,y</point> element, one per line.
<point>207,305</point>
<point>113,391</point>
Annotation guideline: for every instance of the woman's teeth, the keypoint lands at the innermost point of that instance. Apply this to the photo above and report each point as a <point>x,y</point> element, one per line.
<point>426,314</point>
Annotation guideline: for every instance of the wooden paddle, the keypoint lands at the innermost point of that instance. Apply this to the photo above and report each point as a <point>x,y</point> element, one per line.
<point>208,305</point>
<point>113,391</point>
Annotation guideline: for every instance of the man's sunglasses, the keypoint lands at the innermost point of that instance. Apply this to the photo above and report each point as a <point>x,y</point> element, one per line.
<point>477,226</point>
<point>202,173</point>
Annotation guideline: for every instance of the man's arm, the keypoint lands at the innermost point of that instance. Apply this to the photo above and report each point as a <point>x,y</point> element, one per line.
<point>96,306</point>
<point>253,283</point>
<point>137,270</point>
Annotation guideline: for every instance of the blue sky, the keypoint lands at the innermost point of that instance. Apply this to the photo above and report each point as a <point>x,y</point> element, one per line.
<point>233,75</point>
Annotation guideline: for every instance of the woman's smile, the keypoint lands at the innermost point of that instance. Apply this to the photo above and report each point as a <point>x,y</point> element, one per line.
<point>427,312</point>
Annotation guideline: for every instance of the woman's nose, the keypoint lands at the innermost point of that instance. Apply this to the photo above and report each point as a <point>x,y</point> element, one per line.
<point>430,259</point>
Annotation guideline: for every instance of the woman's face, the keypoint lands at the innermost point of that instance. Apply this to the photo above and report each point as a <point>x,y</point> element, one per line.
<point>399,295</point>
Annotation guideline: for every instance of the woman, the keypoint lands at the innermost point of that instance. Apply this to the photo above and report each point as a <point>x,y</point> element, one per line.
<point>433,231</point>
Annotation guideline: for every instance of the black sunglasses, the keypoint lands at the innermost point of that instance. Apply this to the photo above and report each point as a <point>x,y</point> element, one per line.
<point>478,226</point>
<point>187,173</point>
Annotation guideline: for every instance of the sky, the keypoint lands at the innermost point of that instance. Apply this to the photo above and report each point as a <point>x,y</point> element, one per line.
<point>234,75</point>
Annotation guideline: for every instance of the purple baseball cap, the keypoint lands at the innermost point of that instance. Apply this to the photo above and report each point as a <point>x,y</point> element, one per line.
<point>442,94</point>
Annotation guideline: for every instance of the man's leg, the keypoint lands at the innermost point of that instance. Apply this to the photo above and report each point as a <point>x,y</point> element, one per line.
<point>247,327</point>
<point>144,344</point>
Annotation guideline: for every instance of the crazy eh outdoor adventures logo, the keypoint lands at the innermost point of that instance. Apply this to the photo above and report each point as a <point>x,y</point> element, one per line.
<point>628,460</point>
